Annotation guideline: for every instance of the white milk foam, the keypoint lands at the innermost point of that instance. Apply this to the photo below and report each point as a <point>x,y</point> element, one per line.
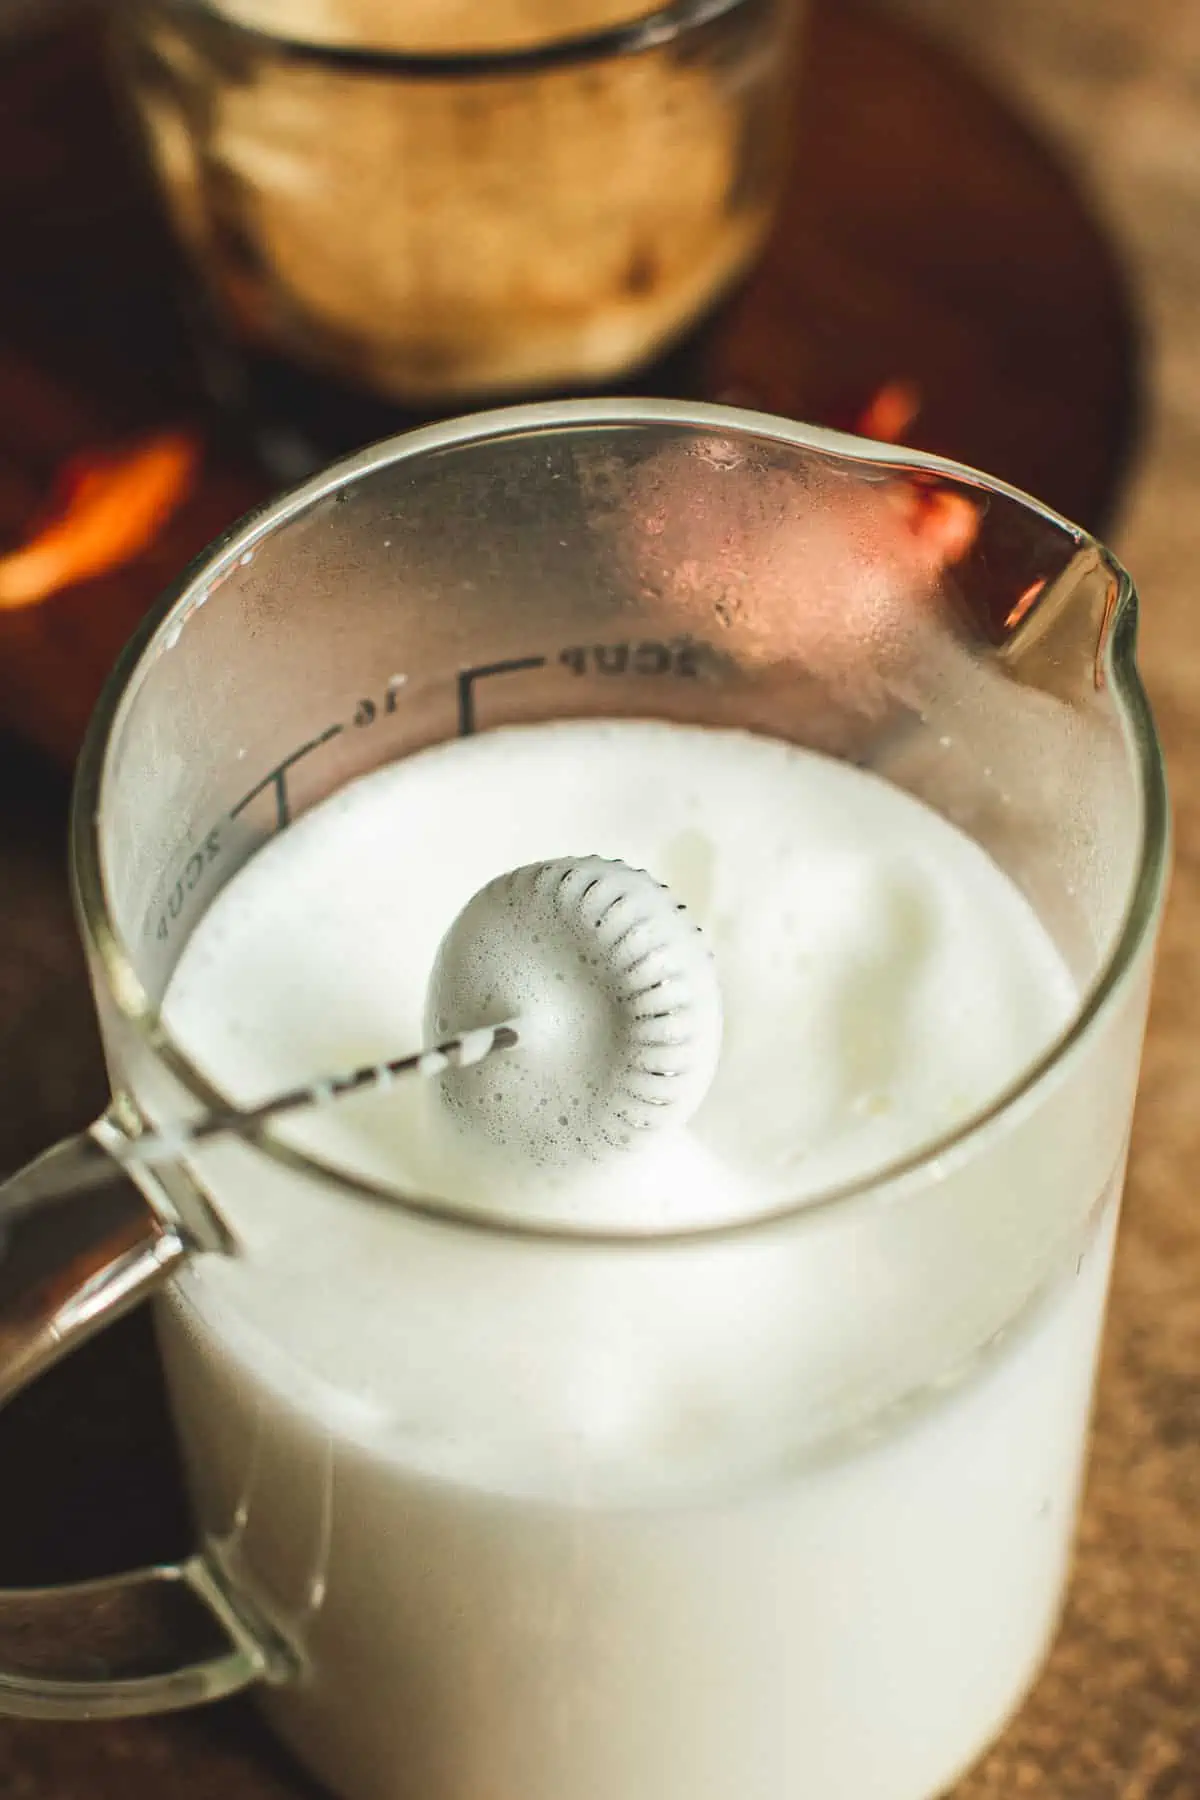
<point>881,980</point>
<point>781,1514</point>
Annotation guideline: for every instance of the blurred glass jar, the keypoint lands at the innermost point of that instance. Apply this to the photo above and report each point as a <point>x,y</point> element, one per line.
<point>438,199</point>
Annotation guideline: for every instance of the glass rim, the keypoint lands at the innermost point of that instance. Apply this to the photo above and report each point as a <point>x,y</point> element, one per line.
<point>102,940</point>
<point>650,30</point>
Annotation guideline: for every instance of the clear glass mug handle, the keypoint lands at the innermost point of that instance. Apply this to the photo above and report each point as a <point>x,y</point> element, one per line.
<point>75,1254</point>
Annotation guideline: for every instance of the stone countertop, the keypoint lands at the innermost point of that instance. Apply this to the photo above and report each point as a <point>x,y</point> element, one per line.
<point>1116,1715</point>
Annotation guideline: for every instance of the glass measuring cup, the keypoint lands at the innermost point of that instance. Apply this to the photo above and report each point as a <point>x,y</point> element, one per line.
<point>852,1609</point>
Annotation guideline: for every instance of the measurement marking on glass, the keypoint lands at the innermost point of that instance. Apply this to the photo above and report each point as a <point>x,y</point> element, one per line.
<point>684,657</point>
<point>648,656</point>
<point>188,880</point>
<point>466,686</point>
<point>278,776</point>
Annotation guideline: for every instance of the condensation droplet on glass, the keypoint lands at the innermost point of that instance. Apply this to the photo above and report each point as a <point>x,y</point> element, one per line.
<point>718,454</point>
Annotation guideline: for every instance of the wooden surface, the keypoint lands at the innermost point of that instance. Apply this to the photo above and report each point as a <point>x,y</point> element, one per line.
<point>87,1480</point>
<point>925,235</point>
<point>1117,1715</point>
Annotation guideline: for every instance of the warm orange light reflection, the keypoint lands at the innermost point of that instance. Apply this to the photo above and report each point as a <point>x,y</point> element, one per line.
<point>106,509</point>
<point>889,413</point>
<point>944,522</point>
<point>1023,604</point>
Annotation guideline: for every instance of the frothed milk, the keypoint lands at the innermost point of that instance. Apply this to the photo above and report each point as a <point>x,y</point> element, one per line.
<point>764,1514</point>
